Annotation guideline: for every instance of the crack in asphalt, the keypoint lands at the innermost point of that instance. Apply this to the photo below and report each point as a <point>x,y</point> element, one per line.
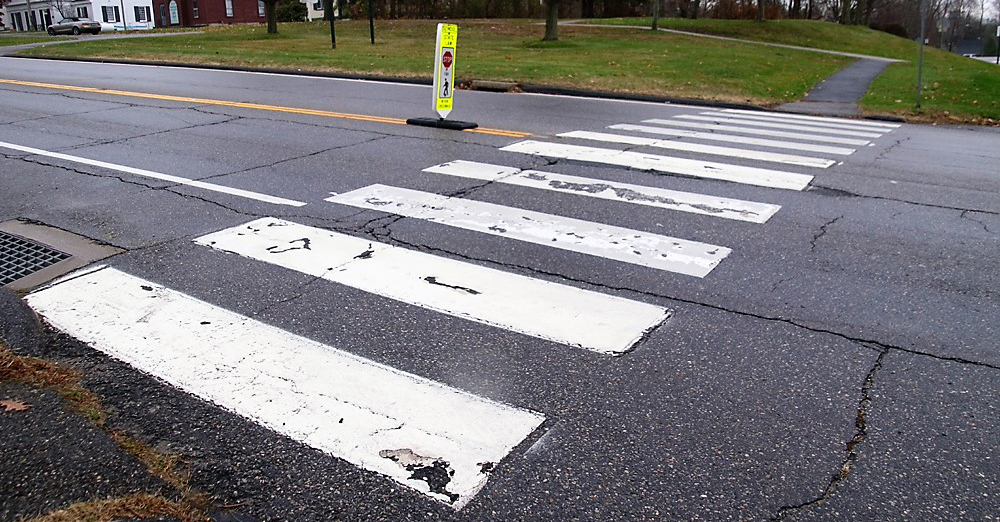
<point>860,434</point>
<point>286,160</point>
<point>156,133</point>
<point>882,155</point>
<point>822,232</point>
<point>845,193</point>
<point>387,236</point>
<point>964,215</point>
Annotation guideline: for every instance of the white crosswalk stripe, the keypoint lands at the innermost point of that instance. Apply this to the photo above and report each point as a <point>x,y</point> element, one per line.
<point>726,208</point>
<point>564,314</point>
<point>775,157</point>
<point>687,167</point>
<point>846,125</point>
<point>758,132</point>
<point>607,241</point>
<point>373,416</point>
<point>785,126</point>
<point>732,138</point>
<point>789,116</point>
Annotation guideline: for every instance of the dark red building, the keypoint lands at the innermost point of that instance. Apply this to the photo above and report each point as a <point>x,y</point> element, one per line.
<point>203,12</point>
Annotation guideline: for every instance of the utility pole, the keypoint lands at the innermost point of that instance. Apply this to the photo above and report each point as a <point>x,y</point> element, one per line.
<point>920,63</point>
<point>328,6</point>
<point>371,20</point>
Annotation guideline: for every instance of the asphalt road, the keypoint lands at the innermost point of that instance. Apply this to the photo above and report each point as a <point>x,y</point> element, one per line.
<point>840,363</point>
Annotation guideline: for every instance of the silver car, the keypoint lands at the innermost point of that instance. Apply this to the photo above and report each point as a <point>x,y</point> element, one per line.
<point>74,25</point>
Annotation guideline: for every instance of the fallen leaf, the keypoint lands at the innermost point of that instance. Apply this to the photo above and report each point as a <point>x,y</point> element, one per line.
<point>14,405</point>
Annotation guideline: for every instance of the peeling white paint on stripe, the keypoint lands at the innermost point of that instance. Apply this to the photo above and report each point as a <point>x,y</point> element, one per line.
<point>759,155</point>
<point>687,167</point>
<point>368,414</point>
<point>844,124</point>
<point>786,126</point>
<point>731,138</point>
<point>758,132</point>
<point>788,116</point>
<point>564,314</point>
<point>576,235</point>
<point>727,208</point>
<point>156,175</point>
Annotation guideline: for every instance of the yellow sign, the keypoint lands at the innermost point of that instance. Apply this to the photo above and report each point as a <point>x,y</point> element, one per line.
<point>444,67</point>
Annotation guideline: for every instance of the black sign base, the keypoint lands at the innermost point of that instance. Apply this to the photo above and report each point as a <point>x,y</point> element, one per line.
<point>441,123</point>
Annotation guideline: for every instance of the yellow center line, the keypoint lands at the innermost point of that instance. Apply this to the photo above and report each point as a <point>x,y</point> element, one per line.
<point>245,105</point>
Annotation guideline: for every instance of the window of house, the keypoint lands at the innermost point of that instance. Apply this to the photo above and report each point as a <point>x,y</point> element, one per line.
<point>194,8</point>
<point>110,13</point>
<point>142,14</point>
<point>82,12</point>
<point>17,22</point>
<point>229,8</point>
<point>34,21</point>
<point>260,8</point>
<point>46,17</point>
<point>318,6</point>
<point>163,15</point>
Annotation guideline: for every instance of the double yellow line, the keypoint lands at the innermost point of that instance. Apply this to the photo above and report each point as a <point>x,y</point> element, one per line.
<point>244,105</point>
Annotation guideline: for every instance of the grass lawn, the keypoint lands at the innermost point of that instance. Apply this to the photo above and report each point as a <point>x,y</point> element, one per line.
<point>596,58</point>
<point>955,88</point>
<point>18,40</point>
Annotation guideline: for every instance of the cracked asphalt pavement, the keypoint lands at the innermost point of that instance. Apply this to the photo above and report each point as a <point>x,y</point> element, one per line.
<point>840,364</point>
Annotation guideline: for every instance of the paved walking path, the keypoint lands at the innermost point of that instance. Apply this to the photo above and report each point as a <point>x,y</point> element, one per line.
<point>740,40</point>
<point>11,49</point>
<point>839,94</point>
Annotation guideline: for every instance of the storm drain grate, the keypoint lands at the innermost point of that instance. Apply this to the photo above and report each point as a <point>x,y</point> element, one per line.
<point>20,257</point>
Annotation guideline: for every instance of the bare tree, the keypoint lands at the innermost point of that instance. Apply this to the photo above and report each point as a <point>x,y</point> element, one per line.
<point>551,20</point>
<point>270,16</point>
<point>760,10</point>
<point>656,15</point>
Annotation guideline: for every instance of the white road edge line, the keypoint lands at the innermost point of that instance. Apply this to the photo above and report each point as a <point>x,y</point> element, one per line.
<point>687,167</point>
<point>371,415</point>
<point>715,206</point>
<point>732,138</point>
<point>759,132</point>
<point>155,175</point>
<point>817,124</point>
<point>775,157</point>
<point>735,120</point>
<point>785,115</point>
<point>575,235</point>
<point>564,314</point>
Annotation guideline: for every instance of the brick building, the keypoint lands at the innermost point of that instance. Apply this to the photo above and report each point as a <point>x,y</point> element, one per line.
<point>203,12</point>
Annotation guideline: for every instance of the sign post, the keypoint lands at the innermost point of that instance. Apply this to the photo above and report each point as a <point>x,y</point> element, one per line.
<point>443,90</point>
<point>998,44</point>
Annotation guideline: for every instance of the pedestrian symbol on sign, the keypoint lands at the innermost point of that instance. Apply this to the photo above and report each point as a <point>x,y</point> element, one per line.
<point>447,78</point>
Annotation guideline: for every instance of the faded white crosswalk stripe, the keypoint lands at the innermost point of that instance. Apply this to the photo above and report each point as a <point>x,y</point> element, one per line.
<point>775,157</point>
<point>845,124</point>
<point>789,116</point>
<point>727,208</point>
<point>576,235</point>
<point>732,138</point>
<point>373,416</point>
<point>758,132</point>
<point>687,167</point>
<point>564,314</point>
<point>784,126</point>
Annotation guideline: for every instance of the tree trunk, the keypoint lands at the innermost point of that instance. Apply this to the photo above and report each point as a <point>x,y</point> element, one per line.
<point>695,6</point>
<point>552,21</point>
<point>656,15</point>
<point>587,8</point>
<point>760,10</point>
<point>272,19</point>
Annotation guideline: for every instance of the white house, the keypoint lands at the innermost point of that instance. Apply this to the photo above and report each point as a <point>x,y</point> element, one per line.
<point>38,15</point>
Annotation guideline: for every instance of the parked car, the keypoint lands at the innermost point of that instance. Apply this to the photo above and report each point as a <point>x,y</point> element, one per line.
<point>75,25</point>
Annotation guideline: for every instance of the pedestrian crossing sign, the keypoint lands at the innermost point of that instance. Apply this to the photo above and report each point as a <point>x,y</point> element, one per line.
<point>444,66</point>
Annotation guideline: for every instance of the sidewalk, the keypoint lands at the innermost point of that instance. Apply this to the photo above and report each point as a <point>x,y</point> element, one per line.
<point>839,94</point>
